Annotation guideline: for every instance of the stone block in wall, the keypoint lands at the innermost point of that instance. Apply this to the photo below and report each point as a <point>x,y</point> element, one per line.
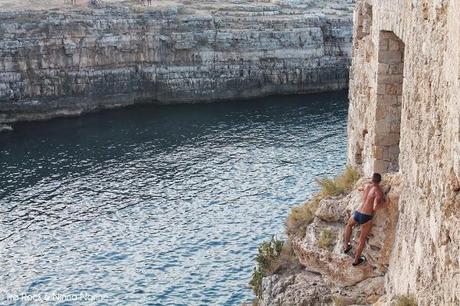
<point>381,113</point>
<point>388,100</point>
<point>381,89</point>
<point>395,127</point>
<point>394,151</point>
<point>394,112</point>
<point>391,89</point>
<point>386,154</point>
<point>389,79</point>
<point>380,166</point>
<point>396,69</point>
<point>390,57</point>
<point>378,152</point>
<point>383,68</point>
<point>394,45</point>
<point>384,44</point>
<point>389,139</point>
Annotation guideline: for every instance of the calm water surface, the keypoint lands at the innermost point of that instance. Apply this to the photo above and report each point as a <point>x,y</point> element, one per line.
<point>158,205</point>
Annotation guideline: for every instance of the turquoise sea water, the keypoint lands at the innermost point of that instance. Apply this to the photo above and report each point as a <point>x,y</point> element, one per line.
<point>158,205</point>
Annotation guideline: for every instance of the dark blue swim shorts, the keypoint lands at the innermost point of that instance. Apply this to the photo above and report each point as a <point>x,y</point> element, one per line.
<point>361,218</point>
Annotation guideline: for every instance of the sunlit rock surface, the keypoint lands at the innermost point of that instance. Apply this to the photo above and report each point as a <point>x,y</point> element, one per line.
<point>66,61</point>
<point>295,288</point>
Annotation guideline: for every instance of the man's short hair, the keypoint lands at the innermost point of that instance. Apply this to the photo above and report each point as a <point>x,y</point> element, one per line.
<point>376,178</point>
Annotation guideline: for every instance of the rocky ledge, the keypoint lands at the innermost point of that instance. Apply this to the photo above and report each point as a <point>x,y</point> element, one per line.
<point>67,61</point>
<point>328,277</point>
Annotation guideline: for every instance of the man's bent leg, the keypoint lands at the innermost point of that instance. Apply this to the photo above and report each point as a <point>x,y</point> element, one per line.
<point>347,232</point>
<point>365,229</point>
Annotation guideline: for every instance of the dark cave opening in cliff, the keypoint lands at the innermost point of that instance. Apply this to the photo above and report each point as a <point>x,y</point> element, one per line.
<point>390,76</point>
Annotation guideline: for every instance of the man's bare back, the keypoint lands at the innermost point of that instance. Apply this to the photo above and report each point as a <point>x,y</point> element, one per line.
<point>372,197</point>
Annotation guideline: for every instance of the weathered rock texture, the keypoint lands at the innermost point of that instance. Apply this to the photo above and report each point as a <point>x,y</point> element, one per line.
<point>68,61</point>
<point>295,288</point>
<point>405,116</point>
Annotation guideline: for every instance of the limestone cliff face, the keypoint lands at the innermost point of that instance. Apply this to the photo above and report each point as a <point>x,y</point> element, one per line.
<point>65,62</point>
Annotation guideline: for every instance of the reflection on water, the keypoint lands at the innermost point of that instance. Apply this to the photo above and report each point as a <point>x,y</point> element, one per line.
<point>159,204</point>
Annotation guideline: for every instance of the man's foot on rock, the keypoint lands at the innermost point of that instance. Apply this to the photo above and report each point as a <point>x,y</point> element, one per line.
<point>360,261</point>
<point>347,249</point>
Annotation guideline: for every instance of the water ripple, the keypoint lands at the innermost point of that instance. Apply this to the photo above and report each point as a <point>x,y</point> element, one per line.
<point>159,205</point>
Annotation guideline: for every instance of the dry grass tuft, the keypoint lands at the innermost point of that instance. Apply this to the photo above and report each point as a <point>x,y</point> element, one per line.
<point>300,216</point>
<point>326,239</point>
<point>405,300</point>
<point>339,185</point>
<point>338,301</point>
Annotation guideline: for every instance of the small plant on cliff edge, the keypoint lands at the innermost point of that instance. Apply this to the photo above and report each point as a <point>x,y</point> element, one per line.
<point>339,185</point>
<point>269,251</point>
<point>405,300</point>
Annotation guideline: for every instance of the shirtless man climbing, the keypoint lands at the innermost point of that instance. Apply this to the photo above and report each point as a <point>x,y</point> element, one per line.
<point>372,201</point>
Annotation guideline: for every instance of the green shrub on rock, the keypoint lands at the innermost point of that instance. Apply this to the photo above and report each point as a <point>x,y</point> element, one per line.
<point>266,259</point>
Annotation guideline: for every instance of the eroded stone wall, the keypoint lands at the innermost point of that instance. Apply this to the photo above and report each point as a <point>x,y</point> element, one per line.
<point>426,256</point>
<point>65,62</point>
<point>388,105</point>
